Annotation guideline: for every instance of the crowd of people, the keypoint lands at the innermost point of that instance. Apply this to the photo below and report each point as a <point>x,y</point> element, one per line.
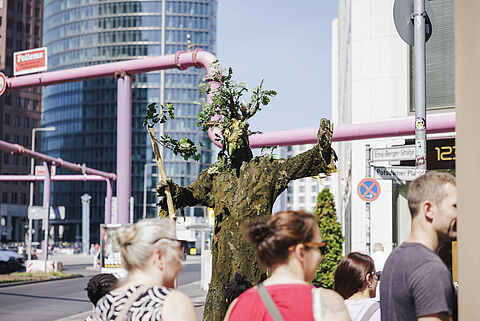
<point>415,283</point>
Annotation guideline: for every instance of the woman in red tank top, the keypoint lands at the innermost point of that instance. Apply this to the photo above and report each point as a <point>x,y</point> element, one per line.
<point>290,246</point>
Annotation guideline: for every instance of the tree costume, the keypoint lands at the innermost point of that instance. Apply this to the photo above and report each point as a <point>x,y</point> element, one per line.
<point>240,187</point>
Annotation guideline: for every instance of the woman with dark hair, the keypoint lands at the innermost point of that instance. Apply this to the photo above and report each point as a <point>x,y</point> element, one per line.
<point>290,246</point>
<point>356,281</point>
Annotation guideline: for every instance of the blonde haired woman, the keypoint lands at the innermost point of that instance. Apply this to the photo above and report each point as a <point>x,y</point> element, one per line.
<point>152,258</point>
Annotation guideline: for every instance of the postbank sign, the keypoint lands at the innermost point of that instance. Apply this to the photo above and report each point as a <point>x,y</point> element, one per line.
<point>30,61</point>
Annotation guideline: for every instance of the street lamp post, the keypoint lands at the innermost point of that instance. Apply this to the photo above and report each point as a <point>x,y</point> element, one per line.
<point>145,188</point>
<point>30,203</point>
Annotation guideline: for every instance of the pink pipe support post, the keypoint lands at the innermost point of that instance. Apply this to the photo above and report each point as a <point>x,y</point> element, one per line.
<point>124,141</point>
<point>108,206</point>
<point>46,205</point>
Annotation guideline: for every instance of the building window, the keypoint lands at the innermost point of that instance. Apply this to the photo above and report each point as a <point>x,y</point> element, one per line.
<point>16,139</point>
<point>20,7</point>
<point>26,101</point>
<point>314,199</point>
<point>301,189</point>
<point>17,121</point>
<point>17,101</point>
<point>301,199</point>
<point>36,30</point>
<point>15,159</point>
<point>37,12</point>
<point>29,9</point>
<point>7,137</point>
<point>34,123</point>
<point>440,70</point>
<point>26,122</point>
<point>6,158</point>
<point>7,119</point>
<point>23,198</point>
<point>25,140</point>
<point>19,26</point>
<point>18,45</point>
<point>4,197</point>
<point>14,198</point>
<point>35,106</point>
<point>314,188</point>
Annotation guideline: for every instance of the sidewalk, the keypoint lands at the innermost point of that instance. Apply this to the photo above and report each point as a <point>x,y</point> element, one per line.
<point>196,295</point>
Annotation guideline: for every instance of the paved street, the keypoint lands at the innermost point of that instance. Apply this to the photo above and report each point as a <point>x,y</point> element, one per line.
<point>60,299</point>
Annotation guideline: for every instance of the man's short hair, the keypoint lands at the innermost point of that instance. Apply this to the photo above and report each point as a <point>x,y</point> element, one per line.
<point>378,247</point>
<point>430,186</point>
<point>99,285</point>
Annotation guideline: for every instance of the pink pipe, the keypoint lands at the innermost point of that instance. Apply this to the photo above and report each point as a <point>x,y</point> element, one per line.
<point>181,60</point>
<point>34,178</point>
<point>400,127</point>
<point>20,150</point>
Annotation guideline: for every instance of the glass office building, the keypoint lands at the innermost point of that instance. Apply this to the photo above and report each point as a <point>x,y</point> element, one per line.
<point>88,32</point>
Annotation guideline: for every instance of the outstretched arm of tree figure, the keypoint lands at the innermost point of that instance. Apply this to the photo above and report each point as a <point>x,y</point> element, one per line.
<point>320,159</point>
<point>199,192</point>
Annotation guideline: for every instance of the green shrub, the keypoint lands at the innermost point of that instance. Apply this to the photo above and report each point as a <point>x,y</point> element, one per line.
<point>331,232</point>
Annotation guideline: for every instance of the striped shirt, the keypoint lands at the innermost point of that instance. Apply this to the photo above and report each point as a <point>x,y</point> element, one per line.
<point>148,307</point>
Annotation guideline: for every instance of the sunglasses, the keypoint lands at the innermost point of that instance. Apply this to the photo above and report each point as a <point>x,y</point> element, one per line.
<point>322,246</point>
<point>377,274</point>
<point>182,244</point>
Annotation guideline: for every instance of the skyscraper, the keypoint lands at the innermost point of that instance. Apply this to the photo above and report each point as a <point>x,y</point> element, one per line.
<point>87,32</point>
<point>20,29</point>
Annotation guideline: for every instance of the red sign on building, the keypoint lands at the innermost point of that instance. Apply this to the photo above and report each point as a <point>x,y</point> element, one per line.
<point>30,61</point>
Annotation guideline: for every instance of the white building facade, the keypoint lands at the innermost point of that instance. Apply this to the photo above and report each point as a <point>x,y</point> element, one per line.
<point>372,76</point>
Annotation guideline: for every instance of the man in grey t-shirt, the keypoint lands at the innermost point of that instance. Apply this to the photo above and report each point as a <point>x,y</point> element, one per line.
<point>415,283</point>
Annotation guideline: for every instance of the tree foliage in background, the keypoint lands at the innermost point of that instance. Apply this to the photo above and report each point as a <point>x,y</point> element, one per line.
<point>331,232</point>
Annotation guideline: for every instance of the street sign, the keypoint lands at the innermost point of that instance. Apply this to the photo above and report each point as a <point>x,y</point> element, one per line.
<point>402,17</point>
<point>40,170</point>
<point>40,212</point>
<point>368,189</point>
<point>3,83</point>
<point>30,61</point>
<point>399,174</point>
<point>396,153</point>
<point>37,212</point>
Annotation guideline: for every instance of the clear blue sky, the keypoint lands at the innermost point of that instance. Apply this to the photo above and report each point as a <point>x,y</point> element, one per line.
<point>286,43</point>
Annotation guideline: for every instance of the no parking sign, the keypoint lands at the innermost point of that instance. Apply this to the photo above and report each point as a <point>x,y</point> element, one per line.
<point>368,189</point>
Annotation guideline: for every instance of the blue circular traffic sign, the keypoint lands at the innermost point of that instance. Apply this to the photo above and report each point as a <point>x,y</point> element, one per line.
<point>368,189</point>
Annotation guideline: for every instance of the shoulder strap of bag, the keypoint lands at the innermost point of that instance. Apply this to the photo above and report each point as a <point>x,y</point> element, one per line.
<point>128,304</point>
<point>317,304</point>
<point>269,304</point>
<point>371,310</point>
